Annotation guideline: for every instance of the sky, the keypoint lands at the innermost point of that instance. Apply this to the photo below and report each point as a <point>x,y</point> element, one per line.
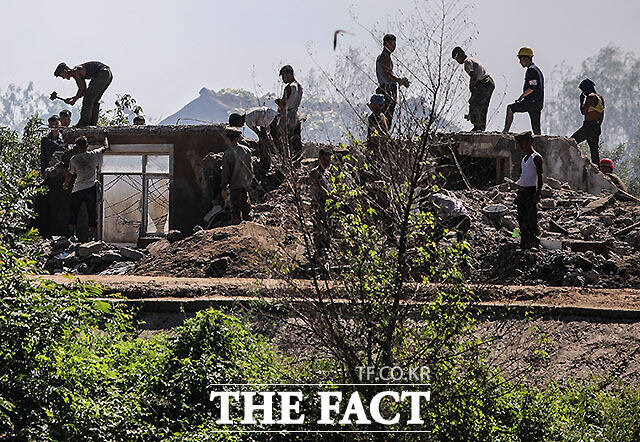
<point>163,52</point>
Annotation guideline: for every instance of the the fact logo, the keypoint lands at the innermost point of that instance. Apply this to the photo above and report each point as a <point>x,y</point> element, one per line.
<point>329,406</point>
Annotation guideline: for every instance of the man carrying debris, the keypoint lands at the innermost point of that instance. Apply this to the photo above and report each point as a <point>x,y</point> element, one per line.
<point>532,99</point>
<point>237,175</point>
<point>262,121</point>
<point>481,86</point>
<point>53,142</point>
<point>451,213</point>
<point>289,121</point>
<point>529,191</point>
<point>65,118</point>
<point>100,78</point>
<point>377,126</point>
<point>319,193</point>
<point>592,107</point>
<point>387,81</point>
<point>84,167</point>
<point>606,167</point>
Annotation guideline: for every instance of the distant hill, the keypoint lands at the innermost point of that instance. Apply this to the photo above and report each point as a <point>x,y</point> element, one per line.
<point>214,107</point>
<point>326,120</point>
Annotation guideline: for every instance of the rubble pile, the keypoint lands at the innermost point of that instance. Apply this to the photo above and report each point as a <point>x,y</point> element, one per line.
<point>586,240</point>
<point>246,250</point>
<point>61,255</point>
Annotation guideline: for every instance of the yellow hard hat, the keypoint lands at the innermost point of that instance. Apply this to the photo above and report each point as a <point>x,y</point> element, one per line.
<point>525,51</point>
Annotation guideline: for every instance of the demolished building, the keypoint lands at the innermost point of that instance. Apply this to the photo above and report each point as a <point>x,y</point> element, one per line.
<point>158,178</point>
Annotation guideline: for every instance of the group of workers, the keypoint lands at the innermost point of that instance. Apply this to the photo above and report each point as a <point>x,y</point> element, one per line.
<point>531,101</point>
<point>280,130</point>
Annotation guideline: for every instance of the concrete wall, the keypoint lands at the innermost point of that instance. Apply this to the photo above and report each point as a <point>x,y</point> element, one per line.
<point>562,159</point>
<point>190,145</point>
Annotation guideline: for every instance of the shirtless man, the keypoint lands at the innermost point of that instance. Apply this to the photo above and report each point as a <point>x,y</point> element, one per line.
<point>387,81</point>
<point>99,76</point>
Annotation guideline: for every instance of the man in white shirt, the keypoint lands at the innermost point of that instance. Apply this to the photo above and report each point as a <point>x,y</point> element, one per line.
<point>481,86</point>
<point>84,167</point>
<point>263,121</point>
<point>529,191</point>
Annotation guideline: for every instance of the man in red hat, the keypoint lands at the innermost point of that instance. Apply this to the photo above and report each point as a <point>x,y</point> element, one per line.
<point>606,167</point>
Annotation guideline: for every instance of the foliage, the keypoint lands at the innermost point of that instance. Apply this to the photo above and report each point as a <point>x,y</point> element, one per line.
<point>126,108</point>
<point>72,368</point>
<point>19,181</point>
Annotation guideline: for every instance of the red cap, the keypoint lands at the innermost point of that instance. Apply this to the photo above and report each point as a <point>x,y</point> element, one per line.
<point>606,162</point>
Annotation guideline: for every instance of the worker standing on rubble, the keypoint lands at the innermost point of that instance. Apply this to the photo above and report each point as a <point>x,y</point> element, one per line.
<point>481,86</point>
<point>100,78</point>
<point>387,81</point>
<point>262,121</point>
<point>319,194</point>
<point>84,167</point>
<point>377,126</point>
<point>289,123</point>
<point>532,99</point>
<point>592,107</point>
<point>237,175</point>
<point>529,191</point>
<point>606,167</point>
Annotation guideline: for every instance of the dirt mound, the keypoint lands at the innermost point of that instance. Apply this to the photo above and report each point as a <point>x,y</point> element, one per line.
<point>244,250</point>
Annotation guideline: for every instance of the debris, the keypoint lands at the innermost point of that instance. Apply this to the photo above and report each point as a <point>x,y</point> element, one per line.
<point>132,254</point>
<point>174,235</point>
<point>627,230</point>
<point>599,204</point>
<point>90,248</point>
<point>555,227</point>
<point>602,248</point>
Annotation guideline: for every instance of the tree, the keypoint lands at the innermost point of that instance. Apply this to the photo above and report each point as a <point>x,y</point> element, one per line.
<point>387,291</point>
<point>126,108</point>
<point>617,77</point>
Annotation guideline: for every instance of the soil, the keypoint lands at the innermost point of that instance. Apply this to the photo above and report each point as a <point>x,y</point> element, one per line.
<point>244,250</point>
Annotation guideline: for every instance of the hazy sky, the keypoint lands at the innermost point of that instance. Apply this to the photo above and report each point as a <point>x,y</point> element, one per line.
<point>163,52</point>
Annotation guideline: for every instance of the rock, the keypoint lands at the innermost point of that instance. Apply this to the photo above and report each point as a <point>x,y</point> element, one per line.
<point>106,257</point>
<point>606,220</point>
<point>59,243</point>
<point>547,192</point>
<point>554,183</point>
<point>588,230</point>
<point>197,228</point>
<point>133,254</point>
<point>174,235</point>
<point>90,248</point>
<point>218,267</point>
<point>548,203</point>
<point>583,263</point>
<point>610,267</point>
<point>592,277</point>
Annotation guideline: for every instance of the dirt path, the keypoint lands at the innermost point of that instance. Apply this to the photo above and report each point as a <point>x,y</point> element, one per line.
<point>162,289</point>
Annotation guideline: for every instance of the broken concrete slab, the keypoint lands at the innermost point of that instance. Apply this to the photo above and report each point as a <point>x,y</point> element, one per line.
<point>562,160</point>
<point>90,248</point>
<point>132,254</point>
